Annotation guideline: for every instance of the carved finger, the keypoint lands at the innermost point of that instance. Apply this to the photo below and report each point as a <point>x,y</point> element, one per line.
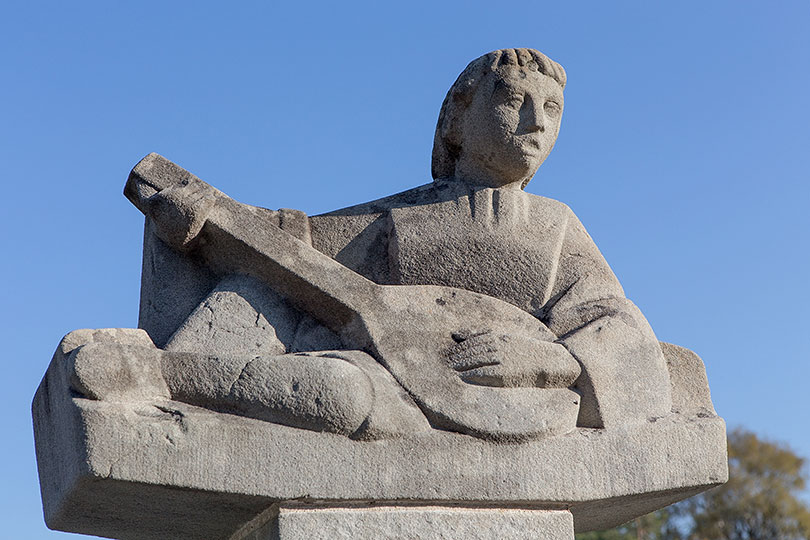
<point>480,344</point>
<point>489,375</point>
<point>468,362</point>
<point>472,354</point>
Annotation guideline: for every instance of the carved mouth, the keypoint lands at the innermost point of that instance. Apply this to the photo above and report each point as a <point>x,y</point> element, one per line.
<point>527,143</point>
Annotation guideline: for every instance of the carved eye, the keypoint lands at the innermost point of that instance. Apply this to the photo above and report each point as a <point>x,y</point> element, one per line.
<point>552,108</point>
<point>514,101</point>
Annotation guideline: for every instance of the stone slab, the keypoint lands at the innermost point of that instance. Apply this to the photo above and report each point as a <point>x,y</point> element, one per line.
<point>317,522</point>
<point>198,474</point>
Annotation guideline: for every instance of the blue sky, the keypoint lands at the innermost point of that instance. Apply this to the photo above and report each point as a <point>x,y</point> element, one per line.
<point>683,150</point>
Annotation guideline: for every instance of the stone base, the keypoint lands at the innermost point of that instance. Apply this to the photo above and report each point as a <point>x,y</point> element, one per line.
<point>153,469</point>
<point>315,522</point>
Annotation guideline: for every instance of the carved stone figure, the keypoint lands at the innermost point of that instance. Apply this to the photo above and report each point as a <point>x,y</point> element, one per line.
<point>463,307</point>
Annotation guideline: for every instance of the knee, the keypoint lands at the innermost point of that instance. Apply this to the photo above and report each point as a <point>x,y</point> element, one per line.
<point>120,336</point>
<point>112,363</point>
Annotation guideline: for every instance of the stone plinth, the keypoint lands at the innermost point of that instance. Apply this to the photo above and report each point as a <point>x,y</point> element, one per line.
<point>164,469</point>
<point>319,522</point>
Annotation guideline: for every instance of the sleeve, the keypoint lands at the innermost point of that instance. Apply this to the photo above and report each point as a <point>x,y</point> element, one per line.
<point>624,375</point>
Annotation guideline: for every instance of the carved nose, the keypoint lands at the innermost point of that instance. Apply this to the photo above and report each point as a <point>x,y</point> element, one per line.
<point>533,117</point>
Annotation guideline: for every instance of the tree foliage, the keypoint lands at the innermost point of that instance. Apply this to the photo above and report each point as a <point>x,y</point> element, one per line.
<point>761,501</point>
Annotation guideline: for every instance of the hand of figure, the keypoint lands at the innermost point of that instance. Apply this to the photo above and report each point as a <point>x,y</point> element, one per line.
<point>180,211</point>
<point>512,361</point>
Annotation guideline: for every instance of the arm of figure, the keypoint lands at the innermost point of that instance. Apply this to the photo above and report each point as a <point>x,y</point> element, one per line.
<point>624,375</point>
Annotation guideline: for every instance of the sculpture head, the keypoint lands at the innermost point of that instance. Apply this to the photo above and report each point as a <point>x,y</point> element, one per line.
<point>500,119</point>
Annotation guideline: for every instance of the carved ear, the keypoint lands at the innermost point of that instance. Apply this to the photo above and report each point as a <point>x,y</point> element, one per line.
<point>447,140</point>
<point>444,157</point>
<point>442,163</point>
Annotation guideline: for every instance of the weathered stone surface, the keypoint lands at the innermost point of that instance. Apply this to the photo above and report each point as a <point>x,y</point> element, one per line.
<point>473,229</point>
<point>406,328</point>
<point>116,372</point>
<point>687,376</point>
<point>299,522</point>
<point>105,464</point>
<point>454,361</point>
<point>244,304</point>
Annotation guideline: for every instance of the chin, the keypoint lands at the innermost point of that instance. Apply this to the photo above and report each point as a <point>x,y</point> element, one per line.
<point>527,156</point>
<point>525,167</point>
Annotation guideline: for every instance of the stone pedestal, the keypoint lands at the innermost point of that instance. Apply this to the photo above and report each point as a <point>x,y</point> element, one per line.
<point>456,361</point>
<point>323,522</point>
<point>156,468</point>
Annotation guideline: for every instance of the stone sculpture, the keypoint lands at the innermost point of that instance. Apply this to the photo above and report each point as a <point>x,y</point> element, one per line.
<point>463,324</point>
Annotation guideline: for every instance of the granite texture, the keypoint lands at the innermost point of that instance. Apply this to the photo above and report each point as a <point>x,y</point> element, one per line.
<point>318,522</point>
<point>204,474</point>
<point>454,361</point>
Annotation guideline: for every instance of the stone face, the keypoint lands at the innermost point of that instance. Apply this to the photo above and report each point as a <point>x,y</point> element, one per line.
<point>454,361</point>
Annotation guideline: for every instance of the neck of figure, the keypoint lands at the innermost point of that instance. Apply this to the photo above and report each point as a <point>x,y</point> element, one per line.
<point>474,174</point>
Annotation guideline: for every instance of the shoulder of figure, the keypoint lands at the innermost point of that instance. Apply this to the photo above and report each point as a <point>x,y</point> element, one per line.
<point>545,208</point>
<point>423,194</point>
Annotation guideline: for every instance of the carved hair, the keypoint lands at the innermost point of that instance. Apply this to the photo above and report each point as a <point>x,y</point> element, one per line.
<point>446,143</point>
